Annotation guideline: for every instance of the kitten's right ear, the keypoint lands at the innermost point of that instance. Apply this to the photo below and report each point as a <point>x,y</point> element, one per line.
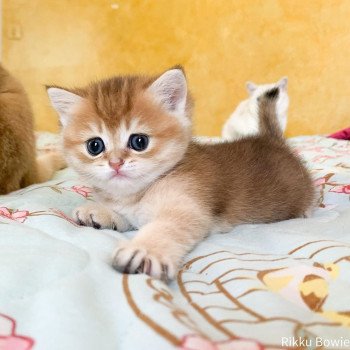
<point>63,102</point>
<point>251,87</point>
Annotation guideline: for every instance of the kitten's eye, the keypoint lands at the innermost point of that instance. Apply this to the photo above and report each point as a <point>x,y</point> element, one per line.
<point>95,146</point>
<point>138,142</point>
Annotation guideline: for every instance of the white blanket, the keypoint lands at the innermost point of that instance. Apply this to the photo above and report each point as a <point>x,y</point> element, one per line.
<point>258,287</point>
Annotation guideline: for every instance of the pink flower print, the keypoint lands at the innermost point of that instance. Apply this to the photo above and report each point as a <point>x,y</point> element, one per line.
<point>323,180</point>
<point>196,342</point>
<point>320,181</point>
<point>17,215</point>
<point>62,215</point>
<point>82,190</point>
<point>341,189</point>
<point>9,340</point>
<point>5,212</point>
<point>322,158</point>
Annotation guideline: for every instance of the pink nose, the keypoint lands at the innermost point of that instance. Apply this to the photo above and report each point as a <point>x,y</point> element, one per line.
<point>116,165</point>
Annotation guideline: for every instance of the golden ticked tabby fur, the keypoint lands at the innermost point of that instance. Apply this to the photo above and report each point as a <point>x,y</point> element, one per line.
<point>130,138</point>
<point>18,164</point>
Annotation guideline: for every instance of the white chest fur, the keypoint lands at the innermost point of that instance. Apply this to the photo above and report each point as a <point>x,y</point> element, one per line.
<point>136,213</point>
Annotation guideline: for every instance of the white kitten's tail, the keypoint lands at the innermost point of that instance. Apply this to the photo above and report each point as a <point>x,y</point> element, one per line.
<point>268,121</point>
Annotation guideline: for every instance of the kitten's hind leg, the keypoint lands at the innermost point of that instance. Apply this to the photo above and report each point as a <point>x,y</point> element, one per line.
<point>48,164</point>
<point>43,168</point>
<point>100,217</point>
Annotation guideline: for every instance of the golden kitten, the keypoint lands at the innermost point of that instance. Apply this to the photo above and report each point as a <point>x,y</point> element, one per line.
<point>130,138</point>
<point>18,165</point>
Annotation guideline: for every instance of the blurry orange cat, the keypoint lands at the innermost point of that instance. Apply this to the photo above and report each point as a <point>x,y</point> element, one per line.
<point>130,138</point>
<point>19,166</point>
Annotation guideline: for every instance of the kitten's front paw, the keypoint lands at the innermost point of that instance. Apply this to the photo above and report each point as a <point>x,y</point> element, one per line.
<point>99,217</point>
<point>131,258</point>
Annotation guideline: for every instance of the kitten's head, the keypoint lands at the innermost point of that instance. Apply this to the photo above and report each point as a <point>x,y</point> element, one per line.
<point>255,91</point>
<point>123,133</point>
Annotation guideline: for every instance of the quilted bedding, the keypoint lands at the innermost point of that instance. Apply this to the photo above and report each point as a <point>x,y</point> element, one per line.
<point>281,285</point>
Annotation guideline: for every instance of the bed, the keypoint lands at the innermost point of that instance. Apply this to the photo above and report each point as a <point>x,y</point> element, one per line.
<point>273,286</point>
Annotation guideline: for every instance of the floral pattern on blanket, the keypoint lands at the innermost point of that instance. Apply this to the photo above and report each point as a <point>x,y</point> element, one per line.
<point>9,339</point>
<point>328,161</point>
<point>234,291</point>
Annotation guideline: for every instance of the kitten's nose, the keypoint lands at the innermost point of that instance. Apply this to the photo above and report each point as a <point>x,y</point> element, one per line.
<point>116,165</point>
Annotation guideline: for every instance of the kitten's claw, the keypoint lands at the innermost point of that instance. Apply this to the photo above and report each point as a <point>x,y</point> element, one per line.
<point>94,223</point>
<point>129,258</point>
<point>100,217</point>
<point>78,219</point>
<point>164,276</point>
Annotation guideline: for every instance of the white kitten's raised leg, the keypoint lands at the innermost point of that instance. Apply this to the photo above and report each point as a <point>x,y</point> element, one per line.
<point>159,247</point>
<point>100,217</point>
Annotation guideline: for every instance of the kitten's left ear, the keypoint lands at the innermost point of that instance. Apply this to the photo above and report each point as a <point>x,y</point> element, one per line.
<point>63,102</point>
<point>170,90</point>
<point>251,87</point>
<point>282,83</point>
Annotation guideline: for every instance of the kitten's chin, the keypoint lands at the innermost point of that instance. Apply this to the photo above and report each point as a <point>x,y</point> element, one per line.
<point>129,184</point>
<point>119,176</point>
<point>123,185</point>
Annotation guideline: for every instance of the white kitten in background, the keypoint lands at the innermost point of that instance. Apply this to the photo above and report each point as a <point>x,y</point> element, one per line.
<point>244,121</point>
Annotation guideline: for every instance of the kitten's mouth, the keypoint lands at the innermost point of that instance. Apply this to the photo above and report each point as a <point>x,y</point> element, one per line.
<point>118,174</point>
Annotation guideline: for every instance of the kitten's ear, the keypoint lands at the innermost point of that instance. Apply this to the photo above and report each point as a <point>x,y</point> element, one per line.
<point>63,102</point>
<point>251,87</point>
<point>170,90</point>
<point>282,83</point>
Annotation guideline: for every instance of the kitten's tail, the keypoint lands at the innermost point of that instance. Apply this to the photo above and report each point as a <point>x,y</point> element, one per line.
<point>268,122</point>
<point>43,168</point>
<point>48,164</point>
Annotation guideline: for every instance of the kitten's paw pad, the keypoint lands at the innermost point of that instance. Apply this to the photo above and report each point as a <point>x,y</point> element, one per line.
<point>129,258</point>
<point>88,216</point>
